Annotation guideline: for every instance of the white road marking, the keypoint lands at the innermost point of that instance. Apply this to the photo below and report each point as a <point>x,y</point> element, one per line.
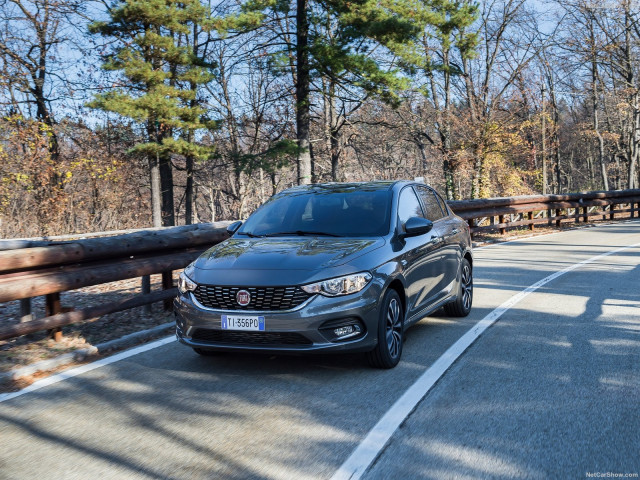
<point>370,448</point>
<point>74,372</point>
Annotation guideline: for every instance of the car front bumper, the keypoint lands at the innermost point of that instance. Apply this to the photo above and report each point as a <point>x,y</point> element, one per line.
<point>307,328</point>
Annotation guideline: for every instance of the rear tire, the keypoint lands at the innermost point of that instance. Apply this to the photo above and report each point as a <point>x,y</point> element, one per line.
<point>461,306</point>
<point>390,333</point>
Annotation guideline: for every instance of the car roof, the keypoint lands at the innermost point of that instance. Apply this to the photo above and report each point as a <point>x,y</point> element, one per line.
<point>345,187</point>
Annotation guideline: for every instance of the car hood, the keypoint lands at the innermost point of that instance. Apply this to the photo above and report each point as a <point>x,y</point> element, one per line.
<point>285,253</point>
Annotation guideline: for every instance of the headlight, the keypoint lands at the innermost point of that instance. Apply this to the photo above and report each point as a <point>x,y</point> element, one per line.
<point>185,284</point>
<point>340,285</point>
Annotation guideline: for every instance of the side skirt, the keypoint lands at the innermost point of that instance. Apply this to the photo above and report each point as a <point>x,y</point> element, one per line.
<point>427,310</point>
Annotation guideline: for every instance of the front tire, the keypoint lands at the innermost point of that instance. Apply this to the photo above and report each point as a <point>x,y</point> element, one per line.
<point>461,306</point>
<point>390,333</point>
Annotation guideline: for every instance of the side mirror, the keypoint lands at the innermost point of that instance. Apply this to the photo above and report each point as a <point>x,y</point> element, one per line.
<point>416,226</point>
<point>233,228</point>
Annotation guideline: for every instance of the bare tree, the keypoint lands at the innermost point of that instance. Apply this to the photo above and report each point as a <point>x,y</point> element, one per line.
<point>35,67</point>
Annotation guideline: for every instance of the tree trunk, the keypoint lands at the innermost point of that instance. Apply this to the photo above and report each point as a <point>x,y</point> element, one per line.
<point>42,112</point>
<point>635,143</point>
<point>544,146</point>
<point>478,173</point>
<point>595,101</point>
<point>335,156</point>
<point>212,203</point>
<point>156,199</point>
<point>166,184</point>
<point>443,123</point>
<point>43,115</point>
<point>303,116</point>
<point>450,186</point>
<point>330,129</point>
<point>188,207</point>
<point>630,84</point>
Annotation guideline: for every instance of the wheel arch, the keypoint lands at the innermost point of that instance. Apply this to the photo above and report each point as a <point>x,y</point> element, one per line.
<point>397,285</point>
<point>469,258</point>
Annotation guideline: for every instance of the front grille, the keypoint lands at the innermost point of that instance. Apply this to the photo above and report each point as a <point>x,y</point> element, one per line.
<point>262,298</point>
<point>250,338</point>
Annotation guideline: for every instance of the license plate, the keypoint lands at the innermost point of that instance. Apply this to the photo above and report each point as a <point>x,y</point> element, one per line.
<point>242,322</point>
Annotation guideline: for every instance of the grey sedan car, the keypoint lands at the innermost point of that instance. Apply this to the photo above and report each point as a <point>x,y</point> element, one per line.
<point>341,267</point>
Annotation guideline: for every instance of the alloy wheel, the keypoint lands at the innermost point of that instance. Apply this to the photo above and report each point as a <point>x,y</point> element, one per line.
<point>394,328</point>
<point>467,286</point>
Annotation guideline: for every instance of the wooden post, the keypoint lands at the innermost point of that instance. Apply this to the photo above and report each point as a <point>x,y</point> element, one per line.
<point>52,307</point>
<point>612,216</point>
<point>146,289</point>
<point>585,211</point>
<point>549,221</point>
<point>501,221</point>
<point>558,222</point>
<point>531,220</point>
<point>25,310</point>
<point>167,283</point>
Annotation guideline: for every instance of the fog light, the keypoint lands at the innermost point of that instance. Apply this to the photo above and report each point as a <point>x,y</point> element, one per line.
<point>346,331</point>
<point>342,331</point>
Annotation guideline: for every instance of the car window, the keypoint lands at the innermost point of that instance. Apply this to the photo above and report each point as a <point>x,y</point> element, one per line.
<point>430,203</point>
<point>443,204</point>
<point>408,206</point>
<point>342,213</point>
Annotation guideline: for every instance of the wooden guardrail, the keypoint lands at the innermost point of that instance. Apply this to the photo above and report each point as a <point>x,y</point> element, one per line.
<point>491,214</point>
<point>46,268</point>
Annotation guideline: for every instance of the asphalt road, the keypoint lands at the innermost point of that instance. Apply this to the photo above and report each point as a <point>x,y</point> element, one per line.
<point>551,390</point>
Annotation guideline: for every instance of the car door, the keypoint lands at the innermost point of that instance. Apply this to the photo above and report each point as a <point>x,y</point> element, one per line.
<point>420,256</point>
<point>449,249</point>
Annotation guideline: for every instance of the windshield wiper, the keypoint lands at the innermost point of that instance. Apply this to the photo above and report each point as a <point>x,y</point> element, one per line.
<point>303,233</point>
<point>251,235</point>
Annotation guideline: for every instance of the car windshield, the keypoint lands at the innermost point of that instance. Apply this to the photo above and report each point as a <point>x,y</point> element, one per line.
<point>342,213</point>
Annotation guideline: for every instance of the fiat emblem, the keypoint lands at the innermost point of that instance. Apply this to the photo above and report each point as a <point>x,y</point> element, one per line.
<point>243,298</point>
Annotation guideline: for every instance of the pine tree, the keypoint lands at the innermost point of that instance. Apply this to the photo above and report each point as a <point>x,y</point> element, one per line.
<point>159,90</point>
<point>346,58</point>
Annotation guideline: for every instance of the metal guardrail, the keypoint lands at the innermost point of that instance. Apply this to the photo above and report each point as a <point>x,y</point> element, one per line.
<point>47,268</point>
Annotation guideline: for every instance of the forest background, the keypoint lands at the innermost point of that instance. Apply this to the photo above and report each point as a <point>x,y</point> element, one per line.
<point>131,114</point>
